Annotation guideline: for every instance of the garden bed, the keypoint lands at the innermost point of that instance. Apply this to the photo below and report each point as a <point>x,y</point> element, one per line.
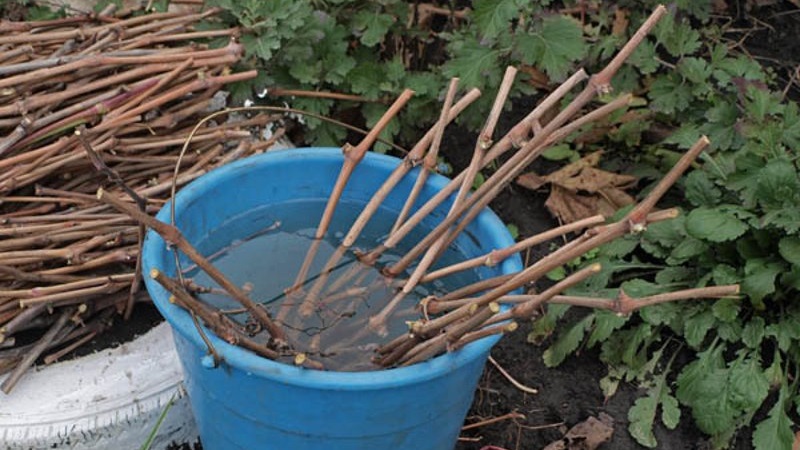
<point>570,393</point>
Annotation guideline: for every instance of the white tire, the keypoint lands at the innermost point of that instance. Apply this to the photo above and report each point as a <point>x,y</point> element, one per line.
<point>111,399</point>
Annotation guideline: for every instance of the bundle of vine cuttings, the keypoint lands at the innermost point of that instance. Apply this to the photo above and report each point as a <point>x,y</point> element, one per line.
<point>98,100</point>
<point>300,328</point>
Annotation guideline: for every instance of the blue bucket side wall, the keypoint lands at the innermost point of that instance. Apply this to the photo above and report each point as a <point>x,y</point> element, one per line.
<point>400,418</point>
<point>420,407</point>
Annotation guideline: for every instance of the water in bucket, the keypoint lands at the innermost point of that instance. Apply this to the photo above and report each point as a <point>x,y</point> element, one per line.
<point>267,262</point>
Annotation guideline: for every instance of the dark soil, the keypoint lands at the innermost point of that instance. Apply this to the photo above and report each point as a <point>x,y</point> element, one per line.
<point>769,34</point>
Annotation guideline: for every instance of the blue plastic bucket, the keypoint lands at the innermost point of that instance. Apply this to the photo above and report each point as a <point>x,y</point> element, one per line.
<point>250,402</point>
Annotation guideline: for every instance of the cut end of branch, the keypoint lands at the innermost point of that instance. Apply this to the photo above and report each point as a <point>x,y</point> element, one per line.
<point>377,324</point>
<point>154,273</point>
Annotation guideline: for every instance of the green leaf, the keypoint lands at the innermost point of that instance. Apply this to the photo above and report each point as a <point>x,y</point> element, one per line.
<point>792,278</point>
<point>759,278</point>
<point>476,63</point>
<point>675,275</point>
<point>643,413</point>
<point>775,432</point>
<point>373,26</point>
<point>663,314</point>
<point>513,230</point>
<point>493,17</point>
<point>36,13</point>
<point>726,309</point>
<point>714,224</point>
<point>670,411</point>
<point>727,394</point>
<point>761,102</point>
<point>696,328</point>
<point>668,233</point>
<point>721,126</point>
<point>557,274</point>
<point>554,47</point>
<point>725,274</point>
<point>789,248</point>
<point>753,332</point>
<point>685,136</point>
<point>645,58</point>
<point>689,380</point>
<point>740,66</point>
<point>634,351</point>
<point>700,190</point>
<point>695,70</point>
<point>620,247</point>
<point>678,38</point>
<point>559,152</point>
<point>686,250</point>
<point>641,417</point>
<point>610,382</point>
<point>777,184</point>
<point>546,324</point>
<point>366,79</point>
<point>160,5</point>
<point>605,323</point>
<point>566,342</point>
<point>669,94</point>
<point>785,331</point>
<point>750,386</point>
<point>791,125</point>
<point>637,288</point>
<point>774,372</point>
<point>730,331</point>
<point>700,9</point>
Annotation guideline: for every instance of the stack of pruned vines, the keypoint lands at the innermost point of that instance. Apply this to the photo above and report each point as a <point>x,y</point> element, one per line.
<point>97,100</point>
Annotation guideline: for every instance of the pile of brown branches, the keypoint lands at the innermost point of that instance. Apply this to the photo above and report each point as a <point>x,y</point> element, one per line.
<point>98,100</point>
<point>473,311</point>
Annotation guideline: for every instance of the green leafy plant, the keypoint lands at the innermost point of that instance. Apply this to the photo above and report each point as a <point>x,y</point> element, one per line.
<point>373,50</point>
<point>741,222</point>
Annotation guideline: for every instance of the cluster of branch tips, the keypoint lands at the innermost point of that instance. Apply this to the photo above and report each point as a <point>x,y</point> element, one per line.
<point>471,312</point>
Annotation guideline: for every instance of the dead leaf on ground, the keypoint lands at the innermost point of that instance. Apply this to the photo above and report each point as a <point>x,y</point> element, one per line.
<point>536,77</point>
<point>587,435</point>
<point>620,22</point>
<point>579,189</point>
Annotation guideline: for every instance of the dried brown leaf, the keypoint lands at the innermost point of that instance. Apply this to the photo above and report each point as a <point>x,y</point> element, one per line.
<point>620,22</point>
<point>531,181</point>
<point>572,169</point>
<point>569,206</point>
<point>594,180</point>
<point>587,435</point>
<point>536,77</point>
<point>580,189</point>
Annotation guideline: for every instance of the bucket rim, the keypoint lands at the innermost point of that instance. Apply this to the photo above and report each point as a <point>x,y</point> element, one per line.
<point>239,358</point>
